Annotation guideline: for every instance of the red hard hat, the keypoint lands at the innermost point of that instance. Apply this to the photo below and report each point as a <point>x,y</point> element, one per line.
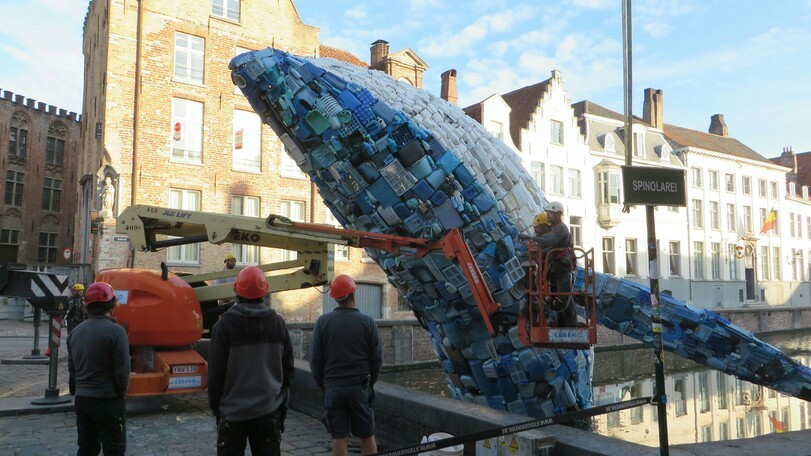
<point>341,287</point>
<point>99,292</point>
<point>251,283</point>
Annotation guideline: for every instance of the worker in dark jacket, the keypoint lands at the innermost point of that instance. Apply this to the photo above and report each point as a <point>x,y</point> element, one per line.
<point>561,264</point>
<point>345,360</point>
<point>101,364</point>
<point>250,371</point>
<point>75,315</point>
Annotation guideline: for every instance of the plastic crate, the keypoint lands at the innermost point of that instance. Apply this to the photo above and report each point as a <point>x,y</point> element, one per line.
<point>398,178</point>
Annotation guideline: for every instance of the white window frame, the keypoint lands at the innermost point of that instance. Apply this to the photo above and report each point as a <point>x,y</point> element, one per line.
<point>639,144</point>
<point>556,180</point>
<point>576,230</point>
<point>715,260</point>
<point>189,52</point>
<point>747,219</point>
<point>246,143</point>
<point>609,257</point>
<point>289,167</point>
<point>698,213</point>
<point>538,175</point>
<point>295,210</point>
<point>761,188</point>
<point>698,260</point>
<point>224,9</point>
<point>674,258</point>
<point>610,145</point>
<point>609,185</point>
<point>556,132</point>
<point>189,148</point>
<point>249,206</point>
<point>732,261</point>
<point>189,200</point>
<point>713,177</point>
<point>575,183</point>
<point>715,216</point>
<point>746,185</point>
<point>697,177</point>
<point>631,257</point>
<point>729,182</point>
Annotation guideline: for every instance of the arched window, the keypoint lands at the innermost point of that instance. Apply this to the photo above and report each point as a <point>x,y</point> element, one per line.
<point>18,135</point>
<point>609,143</point>
<point>55,149</point>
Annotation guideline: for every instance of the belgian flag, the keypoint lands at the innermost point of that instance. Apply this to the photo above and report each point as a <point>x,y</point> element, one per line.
<point>770,222</point>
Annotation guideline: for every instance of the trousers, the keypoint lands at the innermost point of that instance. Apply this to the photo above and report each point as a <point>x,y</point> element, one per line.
<point>101,424</point>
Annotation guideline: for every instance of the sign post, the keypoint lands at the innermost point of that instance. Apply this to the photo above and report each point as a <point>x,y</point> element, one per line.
<point>655,187</point>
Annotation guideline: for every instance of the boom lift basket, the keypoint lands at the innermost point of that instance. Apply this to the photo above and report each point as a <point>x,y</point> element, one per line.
<point>537,324</point>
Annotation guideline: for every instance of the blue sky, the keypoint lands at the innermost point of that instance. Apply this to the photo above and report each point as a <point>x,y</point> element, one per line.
<point>746,59</point>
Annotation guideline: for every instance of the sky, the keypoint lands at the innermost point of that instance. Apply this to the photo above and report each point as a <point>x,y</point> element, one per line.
<point>745,59</point>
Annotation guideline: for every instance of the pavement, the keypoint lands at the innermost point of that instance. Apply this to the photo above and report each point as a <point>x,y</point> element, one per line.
<point>169,425</point>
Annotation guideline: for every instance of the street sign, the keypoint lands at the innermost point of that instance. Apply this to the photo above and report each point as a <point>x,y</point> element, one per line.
<point>654,186</point>
<point>66,254</point>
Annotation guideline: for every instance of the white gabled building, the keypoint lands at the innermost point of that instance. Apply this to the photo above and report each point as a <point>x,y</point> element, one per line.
<point>710,253</point>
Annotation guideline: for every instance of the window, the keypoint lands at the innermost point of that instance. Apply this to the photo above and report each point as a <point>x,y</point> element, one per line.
<point>797,264</point>
<point>18,136</point>
<point>55,147</point>
<point>723,431</point>
<point>732,224</point>
<point>247,142</point>
<point>609,143</point>
<point>758,425</point>
<point>609,187</point>
<point>675,258</point>
<point>740,425</point>
<point>575,185</point>
<point>706,433</point>
<point>739,399</point>
<point>496,129</point>
<point>15,181</point>
<point>715,259</point>
<point>792,189</point>
<point>556,132</point>
<point>47,248</point>
<point>294,210</point>
<point>630,257</point>
<point>785,413</point>
<point>698,259</point>
<point>697,180</point>
<point>290,168</point>
<point>556,175</point>
<point>747,185</point>
<point>747,219</point>
<point>402,303</point>
<point>680,396</point>
<point>188,200</point>
<point>576,228</point>
<point>722,390</point>
<point>187,125</point>
<point>730,182</point>
<point>715,216</point>
<point>778,265</point>
<point>51,194</point>
<point>713,180</point>
<point>773,186</point>
<point>538,174</point>
<point>764,263</point>
<point>228,9</point>
<point>799,223</point>
<point>761,188</point>
<point>808,226</point>
<point>248,206</point>
<point>792,230</point>
<point>608,255</point>
<point>9,243</point>
<point>342,251</point>
<point>639,144</point>
<point>698,214</point>
<point>732,261</point>
<point>189,58</point>
<point>637,413</point>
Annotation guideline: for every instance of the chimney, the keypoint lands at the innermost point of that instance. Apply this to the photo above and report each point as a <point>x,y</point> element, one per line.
<point>653,108</point>
<point>380,49</point>
<point>718,126</point>
<point>448,90</point>
<point>788,158</point>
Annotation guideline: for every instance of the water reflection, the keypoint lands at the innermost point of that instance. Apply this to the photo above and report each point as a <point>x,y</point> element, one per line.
<point>703,405</point>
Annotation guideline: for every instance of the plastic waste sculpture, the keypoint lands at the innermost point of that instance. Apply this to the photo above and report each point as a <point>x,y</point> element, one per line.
<point>387,157</point>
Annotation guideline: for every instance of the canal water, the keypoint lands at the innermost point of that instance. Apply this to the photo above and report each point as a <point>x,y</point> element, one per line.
<point>703,404</point>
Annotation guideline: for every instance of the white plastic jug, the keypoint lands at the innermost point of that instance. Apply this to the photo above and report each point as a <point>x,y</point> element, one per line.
<point>456,450</point>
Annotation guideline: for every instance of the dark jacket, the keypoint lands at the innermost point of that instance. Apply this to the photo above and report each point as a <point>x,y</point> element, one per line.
<point>76,313</point>
<point>250,363</point>
<point>345,349</point>
<point>101,358</point>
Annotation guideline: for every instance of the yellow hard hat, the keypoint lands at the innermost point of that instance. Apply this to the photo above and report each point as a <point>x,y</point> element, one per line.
<point>540,219</point>
<point>77,287</point>
<point>228,256</point>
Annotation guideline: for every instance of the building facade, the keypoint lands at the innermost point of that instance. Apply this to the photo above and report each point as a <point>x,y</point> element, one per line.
<point>42,148</point>
<point>711,253</point>
<point>166,126</point>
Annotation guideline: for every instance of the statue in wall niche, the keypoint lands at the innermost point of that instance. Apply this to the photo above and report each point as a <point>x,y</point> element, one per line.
<point>108,197</point>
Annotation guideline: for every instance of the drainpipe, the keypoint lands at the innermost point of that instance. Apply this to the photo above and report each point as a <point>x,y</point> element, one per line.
<point>689,238</point>
<point>136,100</point>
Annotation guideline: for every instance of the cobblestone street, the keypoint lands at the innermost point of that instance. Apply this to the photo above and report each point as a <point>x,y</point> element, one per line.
<point>167,425</point>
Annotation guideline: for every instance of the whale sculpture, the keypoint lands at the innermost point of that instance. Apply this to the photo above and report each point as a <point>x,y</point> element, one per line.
<point>388,157</point>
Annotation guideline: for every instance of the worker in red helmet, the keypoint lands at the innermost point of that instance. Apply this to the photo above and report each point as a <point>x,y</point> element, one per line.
<point>345,359</point>
<point>101,365</point>
<point>250,371</point>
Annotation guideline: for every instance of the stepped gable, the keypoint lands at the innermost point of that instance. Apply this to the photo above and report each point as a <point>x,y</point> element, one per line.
<point>523,102</point>
<point>340,54</point>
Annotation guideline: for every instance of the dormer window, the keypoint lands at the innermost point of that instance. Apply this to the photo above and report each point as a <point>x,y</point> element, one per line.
<point>792,189</point>
<point>639,144</point>
<point>609,143</point>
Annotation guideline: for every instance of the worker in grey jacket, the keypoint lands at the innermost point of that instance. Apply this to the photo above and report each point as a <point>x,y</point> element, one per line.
<point>101,364</point>
<point>250,371</point>
<point>345,360</point>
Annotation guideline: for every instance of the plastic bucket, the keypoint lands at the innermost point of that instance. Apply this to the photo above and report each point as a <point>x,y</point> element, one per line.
<point>456,450</point>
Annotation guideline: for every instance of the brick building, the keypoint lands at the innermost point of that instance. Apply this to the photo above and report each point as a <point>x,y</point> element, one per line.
<point>164,125</point>
<point>39,171</point>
